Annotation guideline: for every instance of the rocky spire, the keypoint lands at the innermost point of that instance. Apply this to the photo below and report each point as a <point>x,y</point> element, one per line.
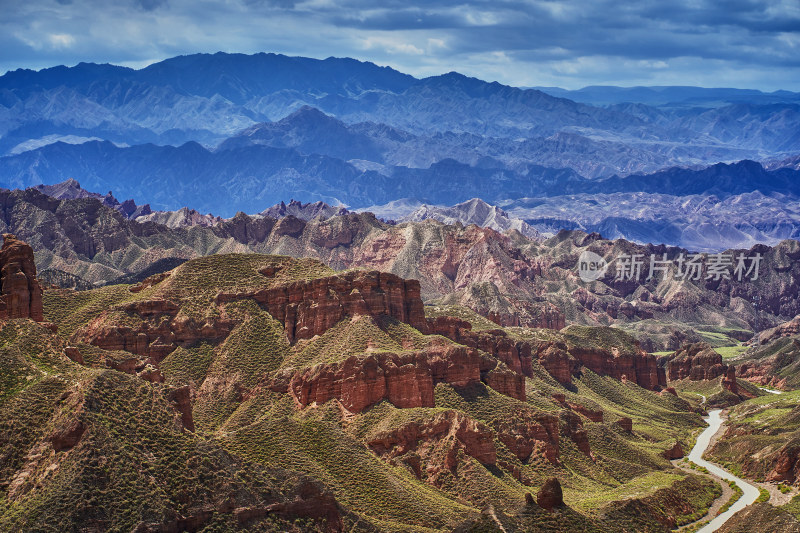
<point>20,293</point>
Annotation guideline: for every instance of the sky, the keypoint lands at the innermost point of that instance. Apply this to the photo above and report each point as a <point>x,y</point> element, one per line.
<point>570,44</point>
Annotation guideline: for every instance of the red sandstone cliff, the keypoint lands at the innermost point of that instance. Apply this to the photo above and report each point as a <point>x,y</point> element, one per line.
<point>404,379</point>
<point>560,360</point>
<point>431,447</point>
<point>20,293</point>
<point>697,362</point>
<point>309,308</point>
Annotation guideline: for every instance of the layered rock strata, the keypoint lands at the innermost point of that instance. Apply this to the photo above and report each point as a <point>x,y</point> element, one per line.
<point>20,292</point>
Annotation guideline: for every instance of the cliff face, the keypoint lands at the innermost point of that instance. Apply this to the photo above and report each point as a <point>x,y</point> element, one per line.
<point>20,293</point>
<point>560,358</point>
<point>159,331</point>
<point>696,362</point>
<point>309,308</point>
<point>641,368</point>
<point>405,380</point>
<point>431,447</point>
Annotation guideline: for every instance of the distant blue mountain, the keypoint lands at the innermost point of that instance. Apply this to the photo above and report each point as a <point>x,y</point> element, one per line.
<point>251,177</point>
<point>671,95</point>
<point>209,98</point>
<point>223,133</point>
<point>721,180</point>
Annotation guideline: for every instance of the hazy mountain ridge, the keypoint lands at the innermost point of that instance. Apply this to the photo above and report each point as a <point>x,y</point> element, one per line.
<point>250,174</point>
<point>670,96</point>
<point>354,134</point>
<point>474,211</point>
<point>208,98</point>
<point>732,212</point>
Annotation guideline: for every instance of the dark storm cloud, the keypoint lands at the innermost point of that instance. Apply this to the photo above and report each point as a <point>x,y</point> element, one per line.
<point>150,5</point>
<point>753,43</point>
<point>742,30</point>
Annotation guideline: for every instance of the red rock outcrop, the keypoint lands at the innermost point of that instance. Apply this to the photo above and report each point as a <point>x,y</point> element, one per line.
<point>20,292</point>
<point>515,354</point>
<point>729,381</point>
<point>506,382</point>
<point>761,373</point>
<point>529,434</point>
<point>787,465</point>
<point>640,367</point>
<point>626,424</point>
<point>68,436</point>
<point>550,495</point>
<point>405,379</point>
<point>181,400</point>
<point>309,308</point>
<point>572,426</point>
<point>432,446</point>
<point>560,360</point>
<point>676,452</point>
<point>697,362</point>
<point>160,331</point>
<point>591,414</point>
<point>73,353</point>
<point>151,373</point>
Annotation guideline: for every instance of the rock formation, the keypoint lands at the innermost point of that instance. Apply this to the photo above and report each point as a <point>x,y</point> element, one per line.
<point>67,436</point>
<point>572,426</point>
<point>626,424</point>
<point>550,495</point>
<point>432,446</point>
<point>159,331</point>
<point>696,362</point>
<point>787,464</point>
<point>639,367</point>
<point>404,379</point>
<point>309,308</point>
<point>20,293</point>
<point>676,452</point>
<point>181,400</point>
<point>561,360</point>
<point>528,435</point>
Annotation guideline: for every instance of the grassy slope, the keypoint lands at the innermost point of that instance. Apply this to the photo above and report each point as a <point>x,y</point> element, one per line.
<point>764,425</point>
<point>264,428</point>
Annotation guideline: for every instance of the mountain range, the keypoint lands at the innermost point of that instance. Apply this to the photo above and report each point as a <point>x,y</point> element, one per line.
<point>493,270</point>
<point>208,98</point>
<point>226,133</point>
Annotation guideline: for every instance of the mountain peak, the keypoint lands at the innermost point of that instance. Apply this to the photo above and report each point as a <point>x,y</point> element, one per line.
<point>307,114</point>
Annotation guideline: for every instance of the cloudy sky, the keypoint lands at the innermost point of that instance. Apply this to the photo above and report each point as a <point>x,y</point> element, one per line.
<point>571,44</point>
